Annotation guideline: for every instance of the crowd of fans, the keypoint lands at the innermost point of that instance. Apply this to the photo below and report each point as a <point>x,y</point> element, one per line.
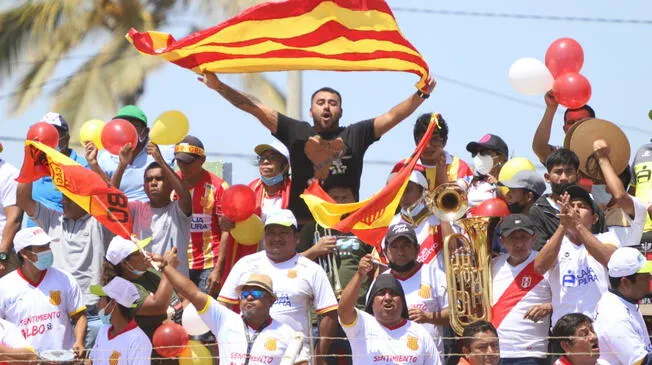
<point>567,273</point>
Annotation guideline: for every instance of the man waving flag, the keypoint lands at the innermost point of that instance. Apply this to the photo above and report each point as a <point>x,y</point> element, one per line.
<point>338,35</point>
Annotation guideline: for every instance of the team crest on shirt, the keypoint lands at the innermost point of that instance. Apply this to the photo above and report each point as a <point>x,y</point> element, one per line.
<point>424,291</point>
<point>526,281</point>
<point>207,201</point>
<point>55,297</point>
<point>114,359</point>
<point>292,273</point>
<point>270,344</point>
<point>412,343</point>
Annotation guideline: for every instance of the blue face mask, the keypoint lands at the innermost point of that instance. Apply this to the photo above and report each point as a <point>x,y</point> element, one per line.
<point>600,194</point>
<point>104,317</point>
<point>134,271</point>
<point>44,260</point>
<point>269,181</point>
<point>414,210</point>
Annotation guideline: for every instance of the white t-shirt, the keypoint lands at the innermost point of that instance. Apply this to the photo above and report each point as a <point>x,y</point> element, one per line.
<point>373,343</point>
<point>621,331</point>
<point>628,230</point>
<point>169,227</point>
<point>424,229</point>
<point>8,184</point>
<point>42,310</point>
<point>269,205</point>
<point>299,284</point>
<point>268,347</point>
<point>129,347</point>
<point>426,290</point>
<point>578,280</point>
<point>520,337</point>
<point>11,336</point>
<point>480,191</point>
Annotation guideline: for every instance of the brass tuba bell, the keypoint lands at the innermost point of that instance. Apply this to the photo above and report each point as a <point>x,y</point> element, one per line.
<point>448,202</point>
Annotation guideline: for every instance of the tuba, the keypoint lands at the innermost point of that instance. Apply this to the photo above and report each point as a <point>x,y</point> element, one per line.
<point>447,202</point>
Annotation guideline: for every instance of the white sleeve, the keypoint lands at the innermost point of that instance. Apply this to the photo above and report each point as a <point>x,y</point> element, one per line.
<point>75,298</point>
<point>217,316</point>
<point>8,187</point>
<point>356,329</point>
<point>323,292</point>
<point>640,212</point>
<point>441,289</point>
<point>609,238</point>
<point>626,343</point>
<point>430,351</point>
<point>12,337</point>
<point>228,293</point>
<point>140,351</point>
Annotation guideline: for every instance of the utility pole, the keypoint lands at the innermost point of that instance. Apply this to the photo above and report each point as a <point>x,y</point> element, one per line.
<point>294,95</point>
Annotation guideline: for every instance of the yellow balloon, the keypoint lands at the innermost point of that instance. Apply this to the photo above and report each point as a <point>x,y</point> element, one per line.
<point>169,128</point>
<point>511,167</point>
<point>195,354</point>
<point>250,231</point>
<point>91,131</point>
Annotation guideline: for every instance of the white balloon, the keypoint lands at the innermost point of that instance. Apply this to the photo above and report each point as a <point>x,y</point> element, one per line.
<point>192,322</point>
<point>530,76</point>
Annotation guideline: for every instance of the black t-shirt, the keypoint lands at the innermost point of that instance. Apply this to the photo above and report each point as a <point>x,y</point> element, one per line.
<point>357,138</point>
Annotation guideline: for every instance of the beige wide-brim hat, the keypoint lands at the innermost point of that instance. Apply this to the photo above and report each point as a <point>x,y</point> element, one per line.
<point>260,281</point>
<point>580,138</point>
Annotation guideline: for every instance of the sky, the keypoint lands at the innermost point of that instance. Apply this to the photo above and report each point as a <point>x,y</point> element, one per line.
<point>469,57</point>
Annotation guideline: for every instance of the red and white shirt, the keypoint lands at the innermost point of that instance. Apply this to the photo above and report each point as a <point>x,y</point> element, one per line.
<point>205,232</point>
<point>299,284</point>
<point>519,337</point>
<point>42,310</point>
<point>269,345</point>
<point>375,344</point>
<point>129,347</point>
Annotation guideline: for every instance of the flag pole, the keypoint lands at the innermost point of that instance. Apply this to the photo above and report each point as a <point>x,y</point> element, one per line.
<point>294,94</point>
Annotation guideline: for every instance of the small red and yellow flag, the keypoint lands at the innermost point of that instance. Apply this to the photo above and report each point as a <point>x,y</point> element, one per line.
<point>338,35</point>
<point>368,219</point>
<point>83,186</point>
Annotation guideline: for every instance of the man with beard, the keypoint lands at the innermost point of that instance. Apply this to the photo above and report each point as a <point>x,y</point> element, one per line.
<point>324,148</point>
<point>254,335</point>
<point>525,187</point>
<point>382,333</point>
<point>619,323</point>
<point>574,337</point>
<point>423,284</point>
<point>300,284</point>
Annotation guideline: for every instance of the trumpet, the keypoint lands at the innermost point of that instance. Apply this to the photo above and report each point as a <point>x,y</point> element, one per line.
<point>328,262</point>
<point>448,202</point>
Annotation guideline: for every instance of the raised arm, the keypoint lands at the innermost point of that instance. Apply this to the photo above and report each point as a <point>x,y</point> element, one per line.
<point>616,188</point>
<point>182,284</point>
<point>547,257</point>
<point>346,308</point>
<point>90,152</point>
<point>541,141</point>
<point>24,198</point>
<point>185,199</point>
<point>387,121</point>
<point>266,115</point>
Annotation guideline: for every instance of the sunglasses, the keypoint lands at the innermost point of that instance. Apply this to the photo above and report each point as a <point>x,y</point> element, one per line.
<point>257,294</point>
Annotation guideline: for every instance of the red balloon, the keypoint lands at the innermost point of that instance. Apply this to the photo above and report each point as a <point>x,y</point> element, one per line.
<point>238,203</point>
<point>572,90</point>
<point>117,133</point>
<point>45,133</point>
<point>564,55</point>
<point>494,207</point>
<point>170,339</point>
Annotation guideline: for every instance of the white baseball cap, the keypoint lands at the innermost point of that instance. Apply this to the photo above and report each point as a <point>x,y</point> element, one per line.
<point>122,291</point>
<point>120,248</point>
<point>56,120</point>
<point>276,146</point>
<point>627,261</point>
<point>283,217</point>
<point>416,177</point>
<point>32,236</point>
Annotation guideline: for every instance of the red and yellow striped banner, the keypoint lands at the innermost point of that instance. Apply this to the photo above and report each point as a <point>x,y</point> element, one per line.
<point>339,35</point>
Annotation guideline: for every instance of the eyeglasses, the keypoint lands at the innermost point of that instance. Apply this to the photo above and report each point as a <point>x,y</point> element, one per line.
<point>257,294</point>
<point>269,157</point>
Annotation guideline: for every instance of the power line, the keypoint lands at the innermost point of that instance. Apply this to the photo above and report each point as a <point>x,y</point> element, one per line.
<point>562,18</point>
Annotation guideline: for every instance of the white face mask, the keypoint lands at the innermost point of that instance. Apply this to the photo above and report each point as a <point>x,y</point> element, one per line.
<point>414,210</point>
<point>483,164</point>
<point>600,194</point>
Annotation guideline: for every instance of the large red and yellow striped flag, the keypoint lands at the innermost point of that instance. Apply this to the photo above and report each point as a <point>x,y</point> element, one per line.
<point>368,219</point>
<point>340,35</point>
<point>83,186</point>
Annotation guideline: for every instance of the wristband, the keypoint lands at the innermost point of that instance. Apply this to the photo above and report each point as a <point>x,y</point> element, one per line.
<point>422,95</point>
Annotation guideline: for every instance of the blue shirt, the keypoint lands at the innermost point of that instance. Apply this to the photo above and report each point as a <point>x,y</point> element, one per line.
<point>134,175</point>
<point>44,192</point>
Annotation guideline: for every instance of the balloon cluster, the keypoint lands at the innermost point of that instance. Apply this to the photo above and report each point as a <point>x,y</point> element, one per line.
<point>563,61</point>
<point>169,128</point>
<point>171,340</point>
<point>238,205</point>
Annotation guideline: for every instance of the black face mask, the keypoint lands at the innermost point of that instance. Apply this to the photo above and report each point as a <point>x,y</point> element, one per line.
<point>403,268</point>
<point>515,208</point>
<point>558,189</point>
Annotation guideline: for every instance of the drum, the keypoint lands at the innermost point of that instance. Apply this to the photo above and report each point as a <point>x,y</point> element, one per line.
<point>57,357</point>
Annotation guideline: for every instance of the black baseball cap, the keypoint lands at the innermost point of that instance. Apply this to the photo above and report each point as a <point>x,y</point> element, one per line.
<point>189,149</point>
<point>516,222</point>
<point>578,192</point>
<point>490,142</point>
<point>400,229</point>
